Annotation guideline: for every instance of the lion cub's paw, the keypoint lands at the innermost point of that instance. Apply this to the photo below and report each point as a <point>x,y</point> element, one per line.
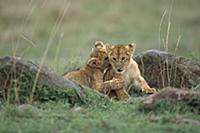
<point>126,100</point>
<point>149,91</point>
<point>117,83</point>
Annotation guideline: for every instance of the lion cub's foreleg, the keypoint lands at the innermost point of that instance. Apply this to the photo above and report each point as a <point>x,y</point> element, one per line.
<point>114,84</point>
<point>118,90</point>
<point>139,81</point>
<point>122,94</point>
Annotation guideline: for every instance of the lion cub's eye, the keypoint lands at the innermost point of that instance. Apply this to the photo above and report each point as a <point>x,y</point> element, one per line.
<point>114,58</point>
<point>123,58</point>
<point>106,58</point>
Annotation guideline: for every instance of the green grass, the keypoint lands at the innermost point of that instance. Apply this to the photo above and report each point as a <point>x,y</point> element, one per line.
<point>28,26</point>
<point>106,117</point>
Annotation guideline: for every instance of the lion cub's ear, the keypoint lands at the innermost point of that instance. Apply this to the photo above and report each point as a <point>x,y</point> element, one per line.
<point>99,45</point>
<point>109,48</point>
<point>131,48</point>
<point>92,62</point>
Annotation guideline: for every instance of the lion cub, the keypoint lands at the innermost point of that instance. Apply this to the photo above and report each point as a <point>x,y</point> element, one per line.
<point>126,69</point>
<point>91,75</point>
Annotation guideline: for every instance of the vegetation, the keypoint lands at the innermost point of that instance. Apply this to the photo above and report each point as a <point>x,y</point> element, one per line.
<point>61,34</point>
<point>100,116</point>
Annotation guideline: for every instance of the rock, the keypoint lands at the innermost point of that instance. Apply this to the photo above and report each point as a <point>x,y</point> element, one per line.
<point>171,96</point>
<point>161,69</point>
<point>78,109</point>
<point>27,110</point>
<point>14,66</point>
<point>17,78</point>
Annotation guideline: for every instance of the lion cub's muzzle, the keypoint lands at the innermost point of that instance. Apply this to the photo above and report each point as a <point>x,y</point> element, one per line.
<point>119,70</point>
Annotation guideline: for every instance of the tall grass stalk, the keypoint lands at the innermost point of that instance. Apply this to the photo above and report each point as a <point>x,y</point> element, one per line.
<point>177,45</point>
<point>15,48</point>
<point>167,40</point>
<point>159,42</point>
<point>56,61</point>
<point>50,41</point>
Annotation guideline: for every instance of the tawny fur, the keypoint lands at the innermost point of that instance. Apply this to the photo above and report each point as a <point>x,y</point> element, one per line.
<point>126,69</point>
<point>91,75</point>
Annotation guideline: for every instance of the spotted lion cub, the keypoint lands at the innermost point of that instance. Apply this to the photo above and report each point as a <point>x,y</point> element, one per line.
<point>91,75</point>
<point>126,69</point>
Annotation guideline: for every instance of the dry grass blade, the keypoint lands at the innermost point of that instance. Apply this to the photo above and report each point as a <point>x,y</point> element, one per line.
<point>53,33</point>
<point>159,42</point>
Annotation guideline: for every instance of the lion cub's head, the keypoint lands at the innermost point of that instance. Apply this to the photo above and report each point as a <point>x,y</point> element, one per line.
<point>120,56</point>
<point>99,56</point>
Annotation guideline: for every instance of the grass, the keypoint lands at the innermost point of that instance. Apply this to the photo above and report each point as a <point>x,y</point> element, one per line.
<point>111,117</point>
<point>70,28</point>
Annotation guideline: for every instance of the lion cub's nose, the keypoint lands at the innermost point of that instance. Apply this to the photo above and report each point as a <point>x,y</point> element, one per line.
<point>119,70</point>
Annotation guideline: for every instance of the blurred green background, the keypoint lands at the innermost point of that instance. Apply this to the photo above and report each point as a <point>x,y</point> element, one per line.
<point>67,29</point>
